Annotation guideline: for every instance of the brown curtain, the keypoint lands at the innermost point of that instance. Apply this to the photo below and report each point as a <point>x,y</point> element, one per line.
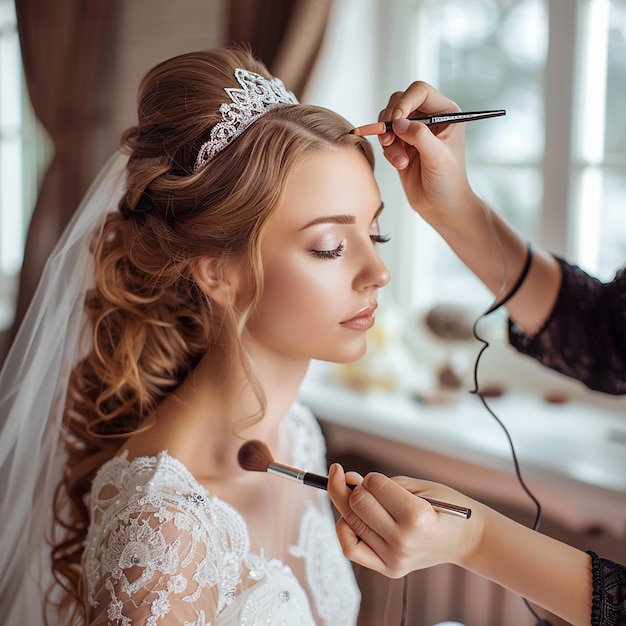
<point>285,34</point>
<point>63,45</point>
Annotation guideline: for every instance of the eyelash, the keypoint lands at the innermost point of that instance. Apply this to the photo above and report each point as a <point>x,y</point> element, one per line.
<point>341,248</point>
<point>380,238</point>
<point>331,254</point>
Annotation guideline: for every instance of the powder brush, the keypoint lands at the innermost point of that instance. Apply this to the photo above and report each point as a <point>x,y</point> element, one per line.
<point>255,456</point>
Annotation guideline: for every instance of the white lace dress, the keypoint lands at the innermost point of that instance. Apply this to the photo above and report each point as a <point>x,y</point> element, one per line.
<point>161,550</point>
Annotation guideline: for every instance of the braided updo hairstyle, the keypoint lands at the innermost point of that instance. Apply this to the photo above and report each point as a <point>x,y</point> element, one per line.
<point>149,322</point>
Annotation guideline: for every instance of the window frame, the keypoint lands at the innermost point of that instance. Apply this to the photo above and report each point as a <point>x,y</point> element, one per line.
<point>568,168</point>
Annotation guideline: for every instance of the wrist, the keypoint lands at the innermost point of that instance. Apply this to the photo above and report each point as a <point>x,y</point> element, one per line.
<point>474,538</point>
<point>494,535</point>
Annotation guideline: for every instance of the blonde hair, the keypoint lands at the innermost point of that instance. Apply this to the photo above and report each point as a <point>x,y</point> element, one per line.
<point>149,321</point>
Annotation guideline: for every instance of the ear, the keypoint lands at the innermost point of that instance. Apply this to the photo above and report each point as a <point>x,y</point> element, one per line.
<point>218,278</point>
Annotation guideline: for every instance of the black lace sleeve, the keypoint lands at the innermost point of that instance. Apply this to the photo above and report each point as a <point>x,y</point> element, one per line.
<point>585,335</point>
<point>608,606</point>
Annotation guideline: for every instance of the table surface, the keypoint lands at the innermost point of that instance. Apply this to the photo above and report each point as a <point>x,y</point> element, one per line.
<point>577,448</point>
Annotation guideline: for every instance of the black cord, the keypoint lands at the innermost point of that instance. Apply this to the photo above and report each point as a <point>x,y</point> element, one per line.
<point>498,304</point>
<point>518,283</point>
<point>518,472</point>
<point>476,391</point>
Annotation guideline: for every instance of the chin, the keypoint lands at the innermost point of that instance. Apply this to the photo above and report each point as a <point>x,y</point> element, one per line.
<point>349,355</point>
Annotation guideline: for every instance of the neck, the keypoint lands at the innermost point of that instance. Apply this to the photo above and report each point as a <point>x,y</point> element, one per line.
<point>206,420</point>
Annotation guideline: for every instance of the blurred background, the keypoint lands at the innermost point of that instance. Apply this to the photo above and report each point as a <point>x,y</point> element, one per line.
<point>554,166</point>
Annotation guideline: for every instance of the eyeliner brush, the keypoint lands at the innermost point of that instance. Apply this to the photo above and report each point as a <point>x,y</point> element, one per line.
<point>254,456</point>
<point>379,128</point>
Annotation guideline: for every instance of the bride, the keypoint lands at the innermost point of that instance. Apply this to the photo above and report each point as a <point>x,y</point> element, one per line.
<point>233,240</point>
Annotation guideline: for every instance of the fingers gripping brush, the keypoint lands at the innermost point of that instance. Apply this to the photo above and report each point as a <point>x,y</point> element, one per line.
<point>254,456</point>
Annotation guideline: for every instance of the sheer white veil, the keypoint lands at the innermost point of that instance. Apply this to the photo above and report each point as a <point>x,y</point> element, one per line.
<point>33,384</point>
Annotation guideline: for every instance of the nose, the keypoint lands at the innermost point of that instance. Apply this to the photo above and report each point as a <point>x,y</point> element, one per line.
<point>372,271</point>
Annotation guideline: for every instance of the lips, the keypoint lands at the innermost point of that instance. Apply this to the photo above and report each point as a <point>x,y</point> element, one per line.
<point>363,320</point>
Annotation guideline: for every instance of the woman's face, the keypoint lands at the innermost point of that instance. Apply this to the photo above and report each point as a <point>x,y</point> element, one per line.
<point>320,261</point>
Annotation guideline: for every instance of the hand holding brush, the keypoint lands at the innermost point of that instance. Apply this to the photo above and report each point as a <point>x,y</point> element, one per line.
<point>255,456</point>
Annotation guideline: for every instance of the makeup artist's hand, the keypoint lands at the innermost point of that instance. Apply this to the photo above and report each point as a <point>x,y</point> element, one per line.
<point>430,160</point>
<point>431,163</point>
<point>385,527</point>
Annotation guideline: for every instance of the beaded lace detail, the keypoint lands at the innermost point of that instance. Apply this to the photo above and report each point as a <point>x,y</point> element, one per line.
<point>161,550</point>
<point>257,96</point>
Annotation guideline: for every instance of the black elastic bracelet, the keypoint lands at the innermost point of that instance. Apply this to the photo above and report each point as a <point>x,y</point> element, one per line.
<point>518,282</point>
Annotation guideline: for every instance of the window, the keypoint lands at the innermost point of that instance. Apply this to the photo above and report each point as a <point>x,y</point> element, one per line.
<point>18,161</point>
<point>555,166</point>
<point>485,55</point>
<point>600,157</point>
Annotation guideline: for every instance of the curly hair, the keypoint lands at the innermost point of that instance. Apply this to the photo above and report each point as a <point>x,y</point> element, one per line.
<point>149,322</point>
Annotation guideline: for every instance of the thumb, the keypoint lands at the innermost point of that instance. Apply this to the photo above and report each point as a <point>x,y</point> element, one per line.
<point>420,137</point>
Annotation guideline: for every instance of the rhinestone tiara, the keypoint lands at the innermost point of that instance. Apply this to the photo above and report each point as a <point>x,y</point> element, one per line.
<point>257,96</point>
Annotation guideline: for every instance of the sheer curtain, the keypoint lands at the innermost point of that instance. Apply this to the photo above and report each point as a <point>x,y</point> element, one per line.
<point>68,50</point>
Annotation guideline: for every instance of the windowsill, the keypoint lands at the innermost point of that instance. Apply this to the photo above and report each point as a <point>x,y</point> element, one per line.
<point>572,455</point>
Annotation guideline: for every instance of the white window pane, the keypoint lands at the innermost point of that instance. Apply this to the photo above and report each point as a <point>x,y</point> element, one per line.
<point>12,184</point>
<point>600,240</point>
<point>616,84</point>
<point>492,55</point>
<point>10,78</point>
<point>7,14</point>
<point>612,248</point>
<point>488,54</point>
<point>11,205</point>
<point>516,192</point>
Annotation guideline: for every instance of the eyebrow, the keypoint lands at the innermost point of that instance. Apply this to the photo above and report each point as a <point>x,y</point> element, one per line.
<point>339,219</point>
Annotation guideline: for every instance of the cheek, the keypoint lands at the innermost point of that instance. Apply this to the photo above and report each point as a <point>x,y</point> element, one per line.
<point>301,310</point>
<point>300,297</point>
<point>293,288</point>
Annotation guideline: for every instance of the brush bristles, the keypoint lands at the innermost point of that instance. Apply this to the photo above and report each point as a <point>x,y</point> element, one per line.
<point>254,456</point>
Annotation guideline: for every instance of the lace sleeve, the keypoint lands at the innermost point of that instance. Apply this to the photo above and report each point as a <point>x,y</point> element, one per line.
<point>585,335</point>
<point>609,592</point>
<point>150,568</point>
<point>160,556</point>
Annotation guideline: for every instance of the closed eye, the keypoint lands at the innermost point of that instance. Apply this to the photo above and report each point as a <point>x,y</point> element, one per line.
<point>380,238</point>
<point>330,254</point>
